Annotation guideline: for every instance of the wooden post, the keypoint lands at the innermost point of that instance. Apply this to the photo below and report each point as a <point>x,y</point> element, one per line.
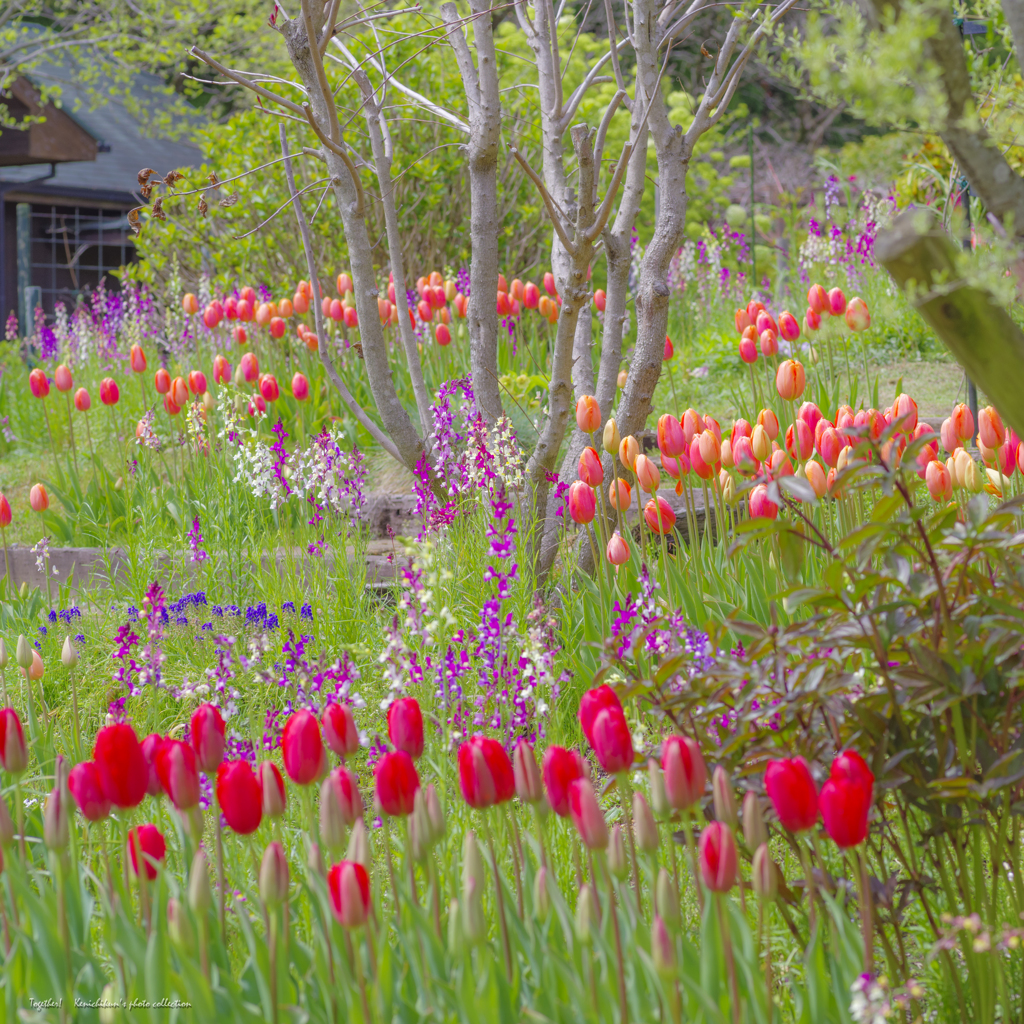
<point>922,260</point>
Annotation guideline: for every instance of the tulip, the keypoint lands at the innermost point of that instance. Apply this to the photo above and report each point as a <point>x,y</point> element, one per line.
<point>273,796</point>
<point>612,741</point>
<point>190,304</point>
<point>938,481</point>
<point>905,413</point>
<point>38,499</point>
<point>789,326</point>
<point>667,899</point>
<point>659,516</point>
<point>816,478</point>
<point>600,300</point>
<point>109,393</point>
<point>760,444</point>
<point>743,454</point>
<point>836,301</point>
<point>82,400</point>
<point>748,349</point>
<point>179,392</point>
<point>302,747</point>
<point>341,735</point>
<point>990,427</point>
<point>349,888</point>
<point>754,831</point>
<point>668,352</point>
<point>963,422</point>
<point>647,475</point>
<point>150,751</point>
<point>765,322</point>
<point>845,800</point>
<point>804,441</point>
<point>123,772</point>
<point>753,308</point>
<point>617,551</point>
<point>35,670</point>
<point>405,726</point>
<point>145,842</point>
<point>761,506</point>
<point>529,786</point>
<point>790,380</point>
<point>769,343</point>
<point>549,284</point>
<point>610,438</point>
<point>244,310</point>
<point>273,882</point>
<point>207,732</point>
<point>396,783</point>
<point>767,419</point>
<point>671,438</point>
<point>177,773</point>
<point>685,773</point>
<point>723,799</point>
<point>582,505</point>
<point>817,299</point>
<point>591,704</point>
<point>85,786</point>
<point>620,495</point>
<point>742,320</point>
<point>249,367</point>
<point>717,857</point>
<point>442,335</point>
<point>829,446</point>
<point>486,776</point>
<point>645,829</point>
<point>590,470</point>
<point>55,819</point>
<point>13,752</point>
<point>351,316</point>
<point>5,519</point>
<point>812,322</point>
<point>628,452</point>
<point>340,806</point>
<point>792,793</point>
<point>857,316</point>
<point>561,768</point>
<point>586,815</point>
<point>588,414</point>
<point>617,863</point>
<point>38,383</point>
<point>239,796</point>
<point>62,378</point>
<point>221,370</point>
<point>300,387</point>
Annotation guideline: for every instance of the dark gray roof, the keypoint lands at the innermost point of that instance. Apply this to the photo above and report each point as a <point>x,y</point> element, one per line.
<point>113,176</point>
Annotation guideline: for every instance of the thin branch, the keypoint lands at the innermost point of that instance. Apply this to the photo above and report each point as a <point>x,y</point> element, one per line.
<point>606,207</point>
<point>306,188</point>
<point>580,91</point>
<point>325,38</point>
<point>321,75</point>
<point>552,213</point>
<point>338,151</point>
<point>235,77</point>
<point>602,130</point>
<point>325,357</point>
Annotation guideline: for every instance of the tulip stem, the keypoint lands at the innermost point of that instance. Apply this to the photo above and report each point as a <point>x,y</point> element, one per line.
<point>220,873</point>
<point>730,965</point>
<point>74,709</point>
<point>811,893</point>
<point>272,951</point>
<point>625,792</point>
<point>71,430</point>
<point>10,582</point>
<point>391,865</point>
<point>866,922</point>
<point>623,1002</point>
<point>516,853</point>
<point>664,558</point>
<point>21,820</point>
<point>357,961</point>
<point>501,900</point>
<point>691,850</point>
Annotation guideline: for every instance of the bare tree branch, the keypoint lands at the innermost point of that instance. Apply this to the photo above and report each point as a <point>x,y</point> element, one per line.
<point>548,204</point>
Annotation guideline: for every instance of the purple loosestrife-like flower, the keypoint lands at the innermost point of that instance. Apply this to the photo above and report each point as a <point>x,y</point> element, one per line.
<point>195,539</point>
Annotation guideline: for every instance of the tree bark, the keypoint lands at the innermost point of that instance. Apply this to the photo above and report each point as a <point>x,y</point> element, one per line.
<point>481,86</point>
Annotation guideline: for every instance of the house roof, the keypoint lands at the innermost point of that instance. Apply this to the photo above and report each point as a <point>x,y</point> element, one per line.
<point>123,146</point>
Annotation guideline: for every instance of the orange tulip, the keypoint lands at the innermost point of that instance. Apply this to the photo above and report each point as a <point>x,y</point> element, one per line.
<point>38,498</point>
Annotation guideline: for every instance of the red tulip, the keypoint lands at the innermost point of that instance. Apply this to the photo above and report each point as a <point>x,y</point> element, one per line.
<point>396,782</point>
<point>343,789</point>
<point>904,410</point>
<point>405,726</point>
<point>592,703</point>
<point>789,326</point>
<point>197,382</point>
<point>812,320</point>
<point>769,343</point>
<point>162,380</point>
<point>686,775</point>
<point>38,383</point>
<point>207,732</point>
<point>753,308</point>
<point>851,767</point>
<point>803,445</point>
<point>442,335</point>
<point>792,793</point>
<point>302,747</point>
<point>146,843</point>
<point>717,856</point>
<point>179,777</point>
<point>748,348</point>
<point>13,752</point>
<point>845,800</point>
<point>109,393</point>
<point>817,299</point>
<point>138,359</point>
<point>582,504</point>
<point>300,387</point>
<point>275,799</point>
<point>150,751</point>
<point>351,317</point>
<point>84,783</point>
<point>529,787</point>
<point>485,772</point>
<point>250,367</point>
<point>5,512</point>
<point>671,437</point>
<point>340,730</point>
<point>760,505</point>
<point>82,400</point>
<point>836,302</point>
<point>938,481</point>
<point>668,352</point>
<point>349,886</point>
<point>659,516</point>
<point>600,300</point>
<point>239,796</point>
<point>269,388</point>
<point>590,470</point>
<point>586,815</point>
<point>62,378</point>
<point>549,283</point>
<point>991,432</point>
<point>617,550</point>
<point>613,743</point>
<point>244,310</point>
<point>531,295</point>
<point>560,768</point>
<point>179,392</point>
<point>170,406</point>
<point>124,774</point>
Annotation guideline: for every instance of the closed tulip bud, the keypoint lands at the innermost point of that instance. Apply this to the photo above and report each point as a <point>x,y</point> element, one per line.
<point>4,658</point>
<point>472,863</point>
<point>620,495</point>
<point>35,670</point>
<point>588,414</point>
<point>610,438</point>
<point>667,899</point>
<point>974,480</point>
<point>13,752</point>
<point>582,506</point>
<point>659,516</point>
<point>420,839</point>
<point>628,452</point>
<point>647,474</point>
<point>541,896</point>
<point>349,887</point>
<point>590,470</point>
<point>857,316</point>
<point>684,770</point>
<point>659,797</point>
<point>617,551</point>
<point>645,829</point>
<point>274,876</point>
<point>62,378</point>
<point>179,927</point>
<point>763,874</point>
<point>760,505</point>
<point>724,800</point>
<point>358,845</point>
<point>754,831</point>
<point>663,949</point>
<point>23,652</point>
<point>990,427</point>
<point>938,481</point>
<point>717,857</point>
<point>332,817</point>
<point>760,443</point>
<point>302,747</point>
<point>208,739</point>
<point>617,862</point>
<point>55,819</point>
<point>710,447</point>
<point>587,816</point>
<point>5,514</point>
<point>727,459</point>
<point>473,923</point>
<point>529,786</point>
<point>405,726</point>
<point>38,499</point>
<point>790,380</point>
<point>728,486</point>
<point>586,911</point>
<point>671,437</point>
<point>339,729</point>
<point>68,655</point>
<point>315,861</point>
<point>816,478</point>
<point>963,422</point>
